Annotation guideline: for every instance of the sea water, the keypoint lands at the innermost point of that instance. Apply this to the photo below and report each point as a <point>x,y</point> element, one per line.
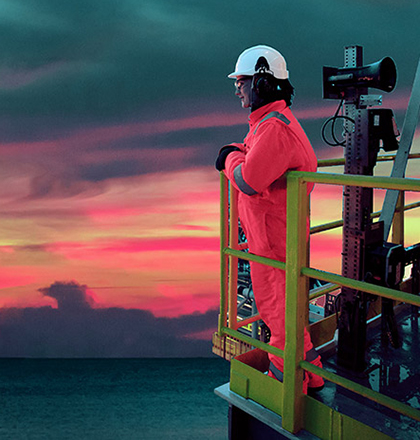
<point>58,399</point>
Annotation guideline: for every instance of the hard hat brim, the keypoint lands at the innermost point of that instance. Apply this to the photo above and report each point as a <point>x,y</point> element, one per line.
<point>234,75</point>
<point>238,73</point>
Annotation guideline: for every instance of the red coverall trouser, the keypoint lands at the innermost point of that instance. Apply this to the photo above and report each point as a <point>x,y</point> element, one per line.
<point>268,283</point>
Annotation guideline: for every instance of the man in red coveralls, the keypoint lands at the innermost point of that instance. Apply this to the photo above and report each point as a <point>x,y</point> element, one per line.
<point>275,144</point>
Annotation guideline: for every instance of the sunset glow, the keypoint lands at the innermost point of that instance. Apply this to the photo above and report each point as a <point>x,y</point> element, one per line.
<point>147,241</point>
<point>112,116</point>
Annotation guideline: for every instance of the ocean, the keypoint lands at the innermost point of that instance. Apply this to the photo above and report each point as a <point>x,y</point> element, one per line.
<point>112,399</point>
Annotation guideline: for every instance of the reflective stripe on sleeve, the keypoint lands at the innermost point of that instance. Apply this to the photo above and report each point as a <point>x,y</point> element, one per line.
<point>242,185</point>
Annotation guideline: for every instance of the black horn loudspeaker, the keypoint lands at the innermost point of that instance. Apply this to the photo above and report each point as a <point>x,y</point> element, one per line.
<point>381,75</point>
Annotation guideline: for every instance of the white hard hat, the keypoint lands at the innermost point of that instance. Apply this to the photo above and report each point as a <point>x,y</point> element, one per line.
<point>245,66</point>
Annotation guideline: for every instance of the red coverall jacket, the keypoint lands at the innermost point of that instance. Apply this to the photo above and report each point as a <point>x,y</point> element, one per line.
<point>276,143</point>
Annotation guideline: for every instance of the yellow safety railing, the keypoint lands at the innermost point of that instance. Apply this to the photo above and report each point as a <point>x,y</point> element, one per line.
<point>298,273</point>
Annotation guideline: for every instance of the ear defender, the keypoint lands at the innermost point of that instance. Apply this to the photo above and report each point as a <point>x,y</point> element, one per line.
<point>263,85</point>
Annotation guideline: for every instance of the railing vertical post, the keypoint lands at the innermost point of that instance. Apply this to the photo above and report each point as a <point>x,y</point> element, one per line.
<point>296,302</point>
<point>233,261</point>
<point>398,221</point>
<point>224,226</point>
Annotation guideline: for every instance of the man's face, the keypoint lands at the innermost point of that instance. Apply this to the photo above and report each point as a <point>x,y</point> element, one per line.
<point>243,90</point>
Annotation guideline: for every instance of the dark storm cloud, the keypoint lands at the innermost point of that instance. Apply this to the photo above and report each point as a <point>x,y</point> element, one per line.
<point>69,295</point>
<point>77,330</point>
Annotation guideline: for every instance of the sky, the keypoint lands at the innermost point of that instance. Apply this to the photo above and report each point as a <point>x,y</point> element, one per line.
<point>111,115</point>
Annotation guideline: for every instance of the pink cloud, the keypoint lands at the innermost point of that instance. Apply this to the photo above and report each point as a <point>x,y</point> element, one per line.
<point>82,138</point>
<point>124,240</point>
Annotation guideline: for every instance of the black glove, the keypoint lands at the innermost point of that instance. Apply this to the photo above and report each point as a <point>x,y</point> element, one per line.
<point>223,154</point>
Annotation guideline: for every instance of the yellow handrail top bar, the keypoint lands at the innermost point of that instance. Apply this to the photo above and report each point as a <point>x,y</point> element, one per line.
<point>398,183</point>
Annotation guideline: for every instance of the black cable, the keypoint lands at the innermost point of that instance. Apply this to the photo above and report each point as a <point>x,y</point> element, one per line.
<point>333,119</point>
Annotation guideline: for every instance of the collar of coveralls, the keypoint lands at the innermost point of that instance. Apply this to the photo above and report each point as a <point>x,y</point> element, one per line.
<point>258,114</point>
